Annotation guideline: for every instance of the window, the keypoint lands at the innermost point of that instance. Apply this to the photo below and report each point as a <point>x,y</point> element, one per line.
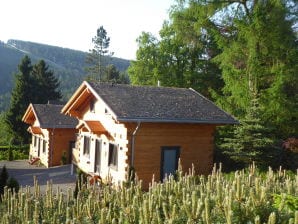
<point>44,143</point>
<point>113,155</point>
<point>34,140</point>
<point>38,143</point>
<point>86,150</point>
<point>92,106</point>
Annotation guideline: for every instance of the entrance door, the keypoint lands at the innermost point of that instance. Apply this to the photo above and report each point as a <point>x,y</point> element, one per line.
<point>97,156</point>
<point>169,160</point>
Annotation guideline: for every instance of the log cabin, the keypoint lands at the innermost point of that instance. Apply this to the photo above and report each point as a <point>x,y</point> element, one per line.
<point>53,134</point>
<point>142,127</point>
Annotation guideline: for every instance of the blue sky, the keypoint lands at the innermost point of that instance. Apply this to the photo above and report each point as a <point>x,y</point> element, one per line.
<point>73,23</point>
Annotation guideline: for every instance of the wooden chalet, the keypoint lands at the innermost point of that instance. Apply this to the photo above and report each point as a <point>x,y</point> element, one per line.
<point>147,128</point>
<point>53,134</point>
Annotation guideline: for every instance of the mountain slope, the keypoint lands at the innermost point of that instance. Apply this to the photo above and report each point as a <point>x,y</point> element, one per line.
<point>67,64</point>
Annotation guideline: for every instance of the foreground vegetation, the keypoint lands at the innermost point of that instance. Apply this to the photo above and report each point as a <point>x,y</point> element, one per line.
<point>242,197</point>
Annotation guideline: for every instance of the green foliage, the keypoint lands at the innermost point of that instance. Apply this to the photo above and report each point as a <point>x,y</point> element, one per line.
<point>6,181</point>
<point>248,141</point>
<point>112,74</point>
<point>81,183</point>
<point>20,99</point>
<point>13,184</point>
<point>45,82</point>
<point>256,65</point>
<point>63,158</point>
<point>3,179</point>
<point>181,58</point>
<point>245,196</point>
<point>10,154</point>
<point>287,202</point>
<point>15,152</point>
<point>31,81</point>
<point>4,134</point>
<point>98,56</point>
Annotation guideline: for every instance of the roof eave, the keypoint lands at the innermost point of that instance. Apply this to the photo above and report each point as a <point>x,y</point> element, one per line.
<point>67,107</point>
<point>180,121</point>
<point>29,110</point>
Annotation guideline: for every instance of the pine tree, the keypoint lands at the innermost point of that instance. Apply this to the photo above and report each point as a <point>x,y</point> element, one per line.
<point>249,140</point>
<point>45,83</point>
<point>98,56</point>
<point>259,57</point>
<point>34,84</point>
<point>20,99</point>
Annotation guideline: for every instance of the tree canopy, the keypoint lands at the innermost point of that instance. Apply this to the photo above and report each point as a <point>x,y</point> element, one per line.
<point>98,56</point>
<point>34,84</point>
<point>235,52</point>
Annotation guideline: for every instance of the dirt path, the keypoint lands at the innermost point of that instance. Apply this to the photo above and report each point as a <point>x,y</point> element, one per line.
<point>24,173</point>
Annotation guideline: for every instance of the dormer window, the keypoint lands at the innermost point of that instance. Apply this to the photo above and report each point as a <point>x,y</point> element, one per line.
<point>92,106</point>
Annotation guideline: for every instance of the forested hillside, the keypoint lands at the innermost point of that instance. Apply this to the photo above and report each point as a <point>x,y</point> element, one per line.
<point>68,65</point>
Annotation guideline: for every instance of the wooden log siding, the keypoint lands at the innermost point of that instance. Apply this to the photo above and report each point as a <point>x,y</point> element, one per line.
<point>60,139</point>
<point>195,142</point>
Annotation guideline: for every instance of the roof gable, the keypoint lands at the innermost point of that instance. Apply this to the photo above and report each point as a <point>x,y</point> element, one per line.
<point>152,104</point>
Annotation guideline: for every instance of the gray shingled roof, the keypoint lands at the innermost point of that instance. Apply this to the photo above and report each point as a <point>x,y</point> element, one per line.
<point>160,104</point>
<point>49,116</point>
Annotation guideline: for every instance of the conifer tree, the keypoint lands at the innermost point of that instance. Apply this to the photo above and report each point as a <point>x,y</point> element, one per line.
<point>45,83</point>
<point>98,57</point>
<point>34,84</point>
<point>249,140</point>
<point>20,99</point>
<point>259,58</point>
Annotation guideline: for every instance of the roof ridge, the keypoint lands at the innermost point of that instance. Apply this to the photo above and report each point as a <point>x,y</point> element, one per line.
<point>132,85</point>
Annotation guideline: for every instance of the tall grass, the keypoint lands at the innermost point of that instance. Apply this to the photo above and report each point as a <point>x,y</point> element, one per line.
<point>244,196</point>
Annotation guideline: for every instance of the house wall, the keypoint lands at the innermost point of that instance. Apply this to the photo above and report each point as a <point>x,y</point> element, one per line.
<point>55,140</point>
<point>60,144</point>
<point>195,142</point>
<point>114,133</point>
<point>40,147</point>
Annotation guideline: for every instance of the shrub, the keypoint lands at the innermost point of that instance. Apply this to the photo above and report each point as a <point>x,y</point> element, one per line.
<point>13,184</point>
<point>63,158</point>
<point>245,196</point>
<point>3,179</point>
<point>10,155</point>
